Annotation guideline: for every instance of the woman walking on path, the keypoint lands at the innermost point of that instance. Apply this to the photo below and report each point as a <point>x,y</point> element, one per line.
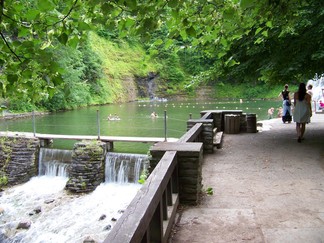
<point>302,111</point>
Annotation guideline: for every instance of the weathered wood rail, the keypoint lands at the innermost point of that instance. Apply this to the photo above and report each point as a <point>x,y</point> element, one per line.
<point>88,137</point>
<point>46,138</point>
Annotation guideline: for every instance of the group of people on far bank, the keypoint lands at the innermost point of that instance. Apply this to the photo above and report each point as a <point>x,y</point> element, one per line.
<point>302,111</point>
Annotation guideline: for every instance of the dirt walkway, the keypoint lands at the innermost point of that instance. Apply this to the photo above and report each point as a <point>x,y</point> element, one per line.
<point>267,188</point>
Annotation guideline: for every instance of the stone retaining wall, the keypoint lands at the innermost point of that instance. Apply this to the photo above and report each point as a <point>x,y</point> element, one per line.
<point>190,157</point>
<point>87,168</point>
<point>207,133</point>
<point>18,158</point>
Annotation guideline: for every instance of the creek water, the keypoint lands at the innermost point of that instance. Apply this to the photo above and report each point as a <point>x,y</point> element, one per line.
<point>135,120</point>
<point>57,216</point>
<point>124,167</point>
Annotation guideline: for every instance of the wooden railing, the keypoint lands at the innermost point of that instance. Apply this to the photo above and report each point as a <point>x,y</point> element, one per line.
<point>151,214</point>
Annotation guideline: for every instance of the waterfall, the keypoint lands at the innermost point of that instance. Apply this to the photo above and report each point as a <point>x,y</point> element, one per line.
<point>54,162</point>
<point>150,88</point>
<point>125,168</point>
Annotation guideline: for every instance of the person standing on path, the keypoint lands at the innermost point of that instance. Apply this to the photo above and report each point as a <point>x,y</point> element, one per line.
<point>302,111</point>
<point>310,92</point>
<point>286,105</point>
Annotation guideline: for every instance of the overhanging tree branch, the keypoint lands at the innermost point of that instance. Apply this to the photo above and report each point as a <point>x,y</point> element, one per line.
<point>67,15</point>
<point>7,44</point>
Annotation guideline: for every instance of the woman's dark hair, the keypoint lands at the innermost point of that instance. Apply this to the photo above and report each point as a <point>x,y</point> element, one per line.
<point>301,91</point>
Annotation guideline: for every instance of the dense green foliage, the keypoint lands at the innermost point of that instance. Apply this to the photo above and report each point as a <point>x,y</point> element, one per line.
<point>95,76</point>
<point>247,91</point>
<point>46,59</point>
<point>283,44</point>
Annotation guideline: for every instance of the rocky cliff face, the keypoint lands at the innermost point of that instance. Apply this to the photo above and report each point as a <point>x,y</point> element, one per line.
<point>130,89</point>
<point>147,86</point>
<point>152,86</point>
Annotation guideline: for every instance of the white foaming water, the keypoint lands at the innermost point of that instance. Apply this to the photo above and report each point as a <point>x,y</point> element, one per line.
<point>63,217</point>
<point>124,167</point>
<point>54,162</point>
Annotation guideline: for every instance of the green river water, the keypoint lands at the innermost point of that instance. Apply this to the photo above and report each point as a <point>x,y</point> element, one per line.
<point>135,120</point>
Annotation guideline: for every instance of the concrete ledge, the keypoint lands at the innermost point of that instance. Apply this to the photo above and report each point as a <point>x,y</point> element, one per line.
<point>181,147</point>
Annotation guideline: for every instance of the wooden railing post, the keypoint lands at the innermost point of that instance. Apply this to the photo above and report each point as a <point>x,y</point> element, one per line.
<point>165,127</point>
<point>98,124</point>
<point>156,226</point>
<point>169,193</point>
<point>34,125</point>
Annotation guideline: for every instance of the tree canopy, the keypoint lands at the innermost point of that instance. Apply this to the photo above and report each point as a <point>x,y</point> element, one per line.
<point>244,40</point>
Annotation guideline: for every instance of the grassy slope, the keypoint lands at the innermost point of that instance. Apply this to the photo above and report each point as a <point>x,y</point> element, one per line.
<point>262,91</point>
<point>120,61</point>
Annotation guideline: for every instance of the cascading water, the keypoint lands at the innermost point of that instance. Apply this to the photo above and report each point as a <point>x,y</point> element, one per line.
<point>150,88</point>
<point>125,168</point>
<point>55,216</point>
<point>54,162</point>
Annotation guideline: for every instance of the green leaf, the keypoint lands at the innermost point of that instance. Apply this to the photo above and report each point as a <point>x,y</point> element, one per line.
<point>82,26</point>
<point>231,62</point>
<point>45,5</point>
<point>224,42</point>
<point>258,30</point>
<point>18,7</point>
<point>12,78</point>
<point>168,43</point>
<point>27,74</point>
<point>129,22</point>
<point>228,14</point>
<point>158,42</point>
<point>258,41</point>
<point>131,4</point>
<point>63,38</point>
<point>269,24</point>
<point>265,33</point>
<point>246,3</point>
<point>57,80</point>
<point>45,45</point>
<point>32,14</point>
<point>210,191</point>
<point>191,31</point>
<point>154,52</point>
<point>107,8</point>
<point>50,91</point>
<point>183,34</point>
<point>23,32</point>
<point>173,3</point>
<point>73,42</point>
<point>221,54</point>
<point>123,33</point>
